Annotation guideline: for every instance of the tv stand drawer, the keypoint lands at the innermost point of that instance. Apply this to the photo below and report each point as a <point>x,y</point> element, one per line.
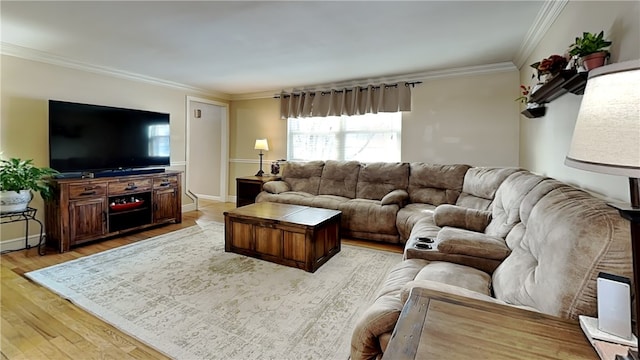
<point>165,182</point>
<point>83,191</point>
<point>129,186</point>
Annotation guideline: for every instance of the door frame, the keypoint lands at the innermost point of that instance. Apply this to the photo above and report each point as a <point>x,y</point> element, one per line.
<point>224,146</point>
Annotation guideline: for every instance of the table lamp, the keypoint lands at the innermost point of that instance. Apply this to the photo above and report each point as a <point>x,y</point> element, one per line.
<point>261,144</point>
<point>606,139</point>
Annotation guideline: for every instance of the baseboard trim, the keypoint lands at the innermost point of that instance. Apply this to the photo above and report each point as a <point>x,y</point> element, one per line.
<point>188,207</point>
<point>18,243</point>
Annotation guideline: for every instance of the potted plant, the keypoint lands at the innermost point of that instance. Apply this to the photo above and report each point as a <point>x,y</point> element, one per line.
<point>549,67</point>
<point>590,48</point>
<point>18,179</point>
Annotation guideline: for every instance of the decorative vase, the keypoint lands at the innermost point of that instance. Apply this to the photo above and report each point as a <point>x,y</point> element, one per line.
<point>595,60</point>
<point>14,201</point>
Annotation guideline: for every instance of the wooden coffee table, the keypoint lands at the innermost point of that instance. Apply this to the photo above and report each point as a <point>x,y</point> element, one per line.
<point>292,235</point>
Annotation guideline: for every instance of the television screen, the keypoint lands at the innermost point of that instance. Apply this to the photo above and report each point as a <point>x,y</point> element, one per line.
<point>84,137</point>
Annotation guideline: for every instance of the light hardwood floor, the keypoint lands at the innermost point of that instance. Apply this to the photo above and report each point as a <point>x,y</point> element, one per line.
<point>38,324</point>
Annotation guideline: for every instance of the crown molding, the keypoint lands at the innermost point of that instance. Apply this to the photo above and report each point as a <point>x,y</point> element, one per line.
<point>542,23</point>
<point>417,76</point>
<point>48,58</point>
<point>45,57</point>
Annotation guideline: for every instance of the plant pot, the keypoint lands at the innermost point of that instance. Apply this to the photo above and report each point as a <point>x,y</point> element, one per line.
<point>595,60</point>
<point>13,201</point>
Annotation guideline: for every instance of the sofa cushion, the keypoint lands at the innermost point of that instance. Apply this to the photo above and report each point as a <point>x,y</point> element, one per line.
<point>339,178</point>
<point>508,201</point>
<point>457,275</point>
<point>465,242</point>
<point>328,201</point>
<point>288,197</point>
<point>376,180</point>
<point>568,238</point>
<point>480,186</point>
<point>408,217</point>
<point>435,286</point>
<point>304,177</point>
<point>435,184</point>
<point>276,187</point>
<point>460,217</point>
<point>369,215</point>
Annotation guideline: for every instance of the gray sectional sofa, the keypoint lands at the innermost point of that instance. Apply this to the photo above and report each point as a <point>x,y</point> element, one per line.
<point>503,235</point>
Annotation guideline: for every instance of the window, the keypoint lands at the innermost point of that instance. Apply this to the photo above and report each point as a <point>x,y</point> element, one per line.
<point>365,138</point>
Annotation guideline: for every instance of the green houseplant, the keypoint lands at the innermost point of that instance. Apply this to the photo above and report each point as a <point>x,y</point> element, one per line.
<point>18,178</point>
<point>591,49</point>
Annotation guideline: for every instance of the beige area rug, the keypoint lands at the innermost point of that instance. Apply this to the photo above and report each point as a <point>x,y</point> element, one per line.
<point>183,295</point>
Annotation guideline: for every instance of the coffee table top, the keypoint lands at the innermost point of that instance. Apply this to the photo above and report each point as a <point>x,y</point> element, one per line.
<point>285,213</point>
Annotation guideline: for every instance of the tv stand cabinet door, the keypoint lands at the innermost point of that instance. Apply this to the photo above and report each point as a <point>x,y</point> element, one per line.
<point>87,219</point>
<point>164,208</point>
<point>167,202</point>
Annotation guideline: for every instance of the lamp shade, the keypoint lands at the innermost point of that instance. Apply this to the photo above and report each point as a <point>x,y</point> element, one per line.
<point>606,138</point>
<point>262,144</point>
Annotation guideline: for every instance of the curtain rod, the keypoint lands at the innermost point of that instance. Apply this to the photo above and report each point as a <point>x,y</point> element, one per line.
<point>312,93</point>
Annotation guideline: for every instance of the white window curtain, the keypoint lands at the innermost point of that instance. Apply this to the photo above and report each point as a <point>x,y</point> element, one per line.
<point>354,101</point>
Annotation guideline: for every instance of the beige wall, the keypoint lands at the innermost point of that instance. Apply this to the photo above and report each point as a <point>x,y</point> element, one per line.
<point>544,142</point>
<point>465,119</point>
<point>468,119</point>
<point>250,120</point>
<point>26,87</point>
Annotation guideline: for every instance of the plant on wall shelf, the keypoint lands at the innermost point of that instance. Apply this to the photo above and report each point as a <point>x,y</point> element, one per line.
<point>590,48</point>
<point>549,66</point>
<point>588,44</point>
<point>524,98</point>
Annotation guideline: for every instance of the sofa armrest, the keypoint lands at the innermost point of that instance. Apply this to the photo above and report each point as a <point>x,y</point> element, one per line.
<point>276,187</point>
<point>397,196</point>
<point>461,217</point>
<point>459,241</point>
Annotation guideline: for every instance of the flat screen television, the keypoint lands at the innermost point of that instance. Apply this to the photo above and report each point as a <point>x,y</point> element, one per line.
<point>96,138</point>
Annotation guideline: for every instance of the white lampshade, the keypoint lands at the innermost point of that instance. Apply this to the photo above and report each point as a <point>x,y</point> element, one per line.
<point>261,144</point>
<point>606,138</point>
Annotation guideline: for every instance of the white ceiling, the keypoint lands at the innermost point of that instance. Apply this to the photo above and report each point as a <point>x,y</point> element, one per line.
<point>241,47</point>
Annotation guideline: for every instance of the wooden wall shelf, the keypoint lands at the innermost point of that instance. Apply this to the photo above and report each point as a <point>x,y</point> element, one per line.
<point>534,112</point>
<point>566,81</point>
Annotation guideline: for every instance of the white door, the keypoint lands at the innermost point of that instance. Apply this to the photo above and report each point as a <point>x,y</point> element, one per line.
<point>207,154</point>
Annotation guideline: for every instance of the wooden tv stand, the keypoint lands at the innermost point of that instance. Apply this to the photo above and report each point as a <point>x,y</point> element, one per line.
<point>83,210</point>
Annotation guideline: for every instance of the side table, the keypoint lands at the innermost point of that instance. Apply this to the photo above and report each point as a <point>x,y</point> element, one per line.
<point>437,325</point>
<point>26,215</point>
<point>248,187</point>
